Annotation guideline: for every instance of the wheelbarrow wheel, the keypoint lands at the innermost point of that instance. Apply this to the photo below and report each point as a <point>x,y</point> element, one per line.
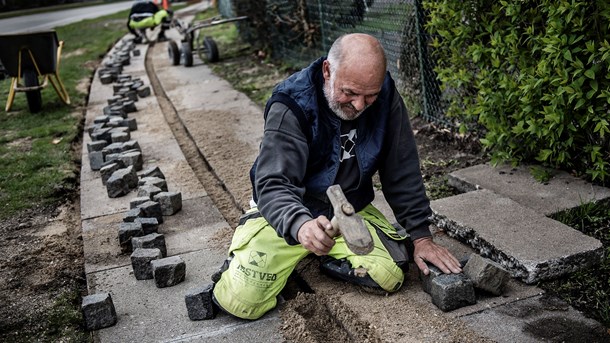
<point>34,98</point>
<point>211,49</point>
<point>187,54</point>
<point>173,52</point>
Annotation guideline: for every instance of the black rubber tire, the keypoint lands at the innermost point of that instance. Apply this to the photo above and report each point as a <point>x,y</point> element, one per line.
<point>187,54</point>
<point>211,49</point>
<point>173,52</point>
<point>30,79</point>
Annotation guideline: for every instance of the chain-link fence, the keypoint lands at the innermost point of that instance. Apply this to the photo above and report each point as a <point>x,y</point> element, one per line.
<point>299,31</point>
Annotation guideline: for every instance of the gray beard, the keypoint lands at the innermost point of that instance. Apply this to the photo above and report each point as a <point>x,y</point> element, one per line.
<point>334,105</point>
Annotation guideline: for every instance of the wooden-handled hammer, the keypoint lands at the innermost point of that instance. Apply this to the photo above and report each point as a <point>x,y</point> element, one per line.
<point>349,223</point>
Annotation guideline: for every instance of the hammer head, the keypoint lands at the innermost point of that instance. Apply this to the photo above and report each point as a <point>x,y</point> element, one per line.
<point>351,224</point>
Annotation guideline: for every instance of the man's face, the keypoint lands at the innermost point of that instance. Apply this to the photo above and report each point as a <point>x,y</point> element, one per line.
<point>350,91</point>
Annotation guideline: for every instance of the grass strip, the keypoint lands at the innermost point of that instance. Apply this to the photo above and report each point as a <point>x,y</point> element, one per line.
<point>37,164</point>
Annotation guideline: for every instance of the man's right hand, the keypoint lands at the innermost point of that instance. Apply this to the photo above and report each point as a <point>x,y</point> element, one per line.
<point>312,235</point>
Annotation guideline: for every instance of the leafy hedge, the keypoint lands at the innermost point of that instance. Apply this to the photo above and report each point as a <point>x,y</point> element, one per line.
<point>534,74</point>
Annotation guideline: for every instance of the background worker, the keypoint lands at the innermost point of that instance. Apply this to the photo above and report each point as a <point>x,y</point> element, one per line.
<point>144,15</point>
<point>338,121</point>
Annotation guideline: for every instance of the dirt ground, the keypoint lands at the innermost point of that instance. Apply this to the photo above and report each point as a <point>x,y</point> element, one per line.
<point>41,252</point>
<point>41,273</point>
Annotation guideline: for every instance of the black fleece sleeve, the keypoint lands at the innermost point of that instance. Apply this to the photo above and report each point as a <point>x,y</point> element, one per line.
<point>400,174</point>
<point>280,171</point>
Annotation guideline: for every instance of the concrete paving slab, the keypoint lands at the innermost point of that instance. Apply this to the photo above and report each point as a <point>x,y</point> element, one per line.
<point>562,192</point>
<point>95,201</point>
<point>212,94</point>
<point>536,319</point>
<point>263,330</point>
<point>191,229</point>
<point>531,246</point>
<point>150,314</point>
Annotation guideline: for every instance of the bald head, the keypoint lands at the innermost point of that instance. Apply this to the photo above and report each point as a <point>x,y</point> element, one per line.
<point>353,74</point>
<point>357,50</point>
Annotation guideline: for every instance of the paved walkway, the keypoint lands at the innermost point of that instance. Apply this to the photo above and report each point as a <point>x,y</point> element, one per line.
<point>147,313</point>
<point>150,314</point>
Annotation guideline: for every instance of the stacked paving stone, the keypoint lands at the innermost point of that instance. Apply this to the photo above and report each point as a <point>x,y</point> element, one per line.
<point>119,160</point>
<point>112,151</point>
<point>452,291</point>
<point>138,233</point>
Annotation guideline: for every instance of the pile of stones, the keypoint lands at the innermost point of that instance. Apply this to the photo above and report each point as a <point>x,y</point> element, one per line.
<point>452,291</point>
<point>119,161</point>
<point>138,233</point>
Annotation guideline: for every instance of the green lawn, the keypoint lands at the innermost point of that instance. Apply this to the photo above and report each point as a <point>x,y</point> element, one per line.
<point>37,164</point>
<point>45,9</point>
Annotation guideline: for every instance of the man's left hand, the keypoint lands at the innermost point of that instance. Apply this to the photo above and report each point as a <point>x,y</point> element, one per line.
<point>428,251</point>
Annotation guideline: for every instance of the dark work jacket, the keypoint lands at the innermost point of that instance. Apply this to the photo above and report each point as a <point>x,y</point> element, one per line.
<point>139,8</point>
<point>302,95</point>
<point>143,7</point>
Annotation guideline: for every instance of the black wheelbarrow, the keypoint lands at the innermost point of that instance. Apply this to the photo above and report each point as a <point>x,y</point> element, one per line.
<point>28,57</point>
<point>193,42</point>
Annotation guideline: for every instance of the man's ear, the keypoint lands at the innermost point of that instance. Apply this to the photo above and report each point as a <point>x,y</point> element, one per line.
<point>326,70</point>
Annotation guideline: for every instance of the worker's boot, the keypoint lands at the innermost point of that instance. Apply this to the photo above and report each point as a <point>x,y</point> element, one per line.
<point>207,300</point>
<point>161,37</point>
<point>217,274</point>
<point>341,269</point>
<point>165,25</point>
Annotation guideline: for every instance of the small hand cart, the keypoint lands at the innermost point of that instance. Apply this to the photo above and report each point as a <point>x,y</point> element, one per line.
<point>28,56</point>
<point>193,41</point>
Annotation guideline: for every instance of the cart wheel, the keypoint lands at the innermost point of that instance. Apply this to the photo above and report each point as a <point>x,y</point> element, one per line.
<point>34,98</point>
<point>187,54</point>
<point>173,52</point>
<point>211,50</point>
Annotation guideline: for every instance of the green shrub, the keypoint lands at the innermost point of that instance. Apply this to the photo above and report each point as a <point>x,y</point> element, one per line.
<point>534,74</point>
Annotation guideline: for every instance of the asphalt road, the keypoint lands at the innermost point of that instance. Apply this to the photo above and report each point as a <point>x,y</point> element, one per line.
<point>50,20</point>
